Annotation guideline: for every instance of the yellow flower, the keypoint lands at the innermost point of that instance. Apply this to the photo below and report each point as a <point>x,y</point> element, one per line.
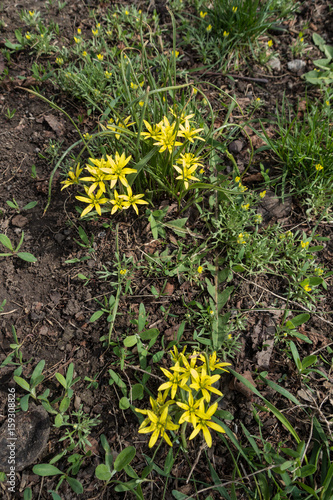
<point>28,36</point>
<point>318,167</point>
<point>234,9</point>
<point>200,269</point>
<point>201,171</point>
<point>87,136</point>
<point>318,271</point>
<point>242,188</point>
<point>84,53</point>
<point>229,336</point>
<point>188,133</point>
<point>304,244</point>
<point>214,364</point>
<point>59,60</point>
<point>119,124</point>
<point>176,380</point>
<point>190,409</point>
<point>240,239</point>
<point>175,53</point>
<point>204,421</point>
<point>159,424</point>
<point>98,176</point>
<point>131,200</point>
<point>94,32</point>
<point>258,99</point>
<point>73,177</point>
<point>77,40</point>
<point>167,136</point>
<point>195,91</point>
<point>301,39</point>
<point>94,201</point>
<point>186,174</point>
<point>262,194</point>
<point>116,168</point>
<point>307,288</point>
<point>327,103</point>
<point>31,13</point>
<point>107,74</point>
<point>246,207</point>
<point>153,132</point>
<point>209,28</point>
<point>123,271</point>
<point>100,57</point>
<point>126,12</point>
<point>270,43</point>
<point>79,31</point>
<point>204,383</point>
<point>141,103</point>
<point>203,15</point>
<point>117,203</point>
<point>225,33</point>
<point>237,179</point>
<point>258,218</point>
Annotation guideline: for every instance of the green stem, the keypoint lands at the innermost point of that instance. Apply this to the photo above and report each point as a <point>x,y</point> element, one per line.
<point>183,436</point>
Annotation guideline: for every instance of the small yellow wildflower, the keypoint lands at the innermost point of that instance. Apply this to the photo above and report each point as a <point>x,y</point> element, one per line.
<point>237,179</point>
<point>307,288</point>
<point>107,74</point>
<point>304,244</point>
<point>318,167</point>
<point>327,103</point>
<point>141,103</point>
<point>319,271</point>
<point>189,133</point>
<point>258,99</point>
<point>100,57</point>
<point>79,31</point>
<point>229,336</point>
<point>270,43</point>
<point>301,39</point>
<point>126,12</point>
<point>87,136</point>
<point>262,194</point>
<point>195,91</point>
<point>203,14</point>
<point>240,239</point>
<point>211,312</point>
<point>117,202</point>
<point>209,28</point>
<point>119,125</point>
<point>84,53</point>
<point>109,33</point>
<point>77,40</point>
<point>73,177</point>
<point>98,25</point>
<point>225,33</point>
<point>59,60</point>
<point>204,420</point>
<point>123,271</point>
<point>200,269</point>
<point>94,201</point>
<point>131,200</point>
<point>258,218</point>
<point>242,188</point>
<point>234,9</point>
<point>31,13</point>
<point>94,32</point>
<point>175,53</point>
<point>28,36</point>
<point>202,171</point>
<point>246,206</point>
<point>158,424</point>
<point>204,383</point>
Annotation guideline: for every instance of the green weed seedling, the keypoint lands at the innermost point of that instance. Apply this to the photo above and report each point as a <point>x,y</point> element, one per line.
<point>26,256</point>
<point>323,75</point>
<point>36,378</point>
<point>78,428</point>
<point>16,353</point>
<point>67,383</point>
<point>10,113</point>
<point>105,472</point>
<point>14,204</point>
<point>289,327</point>
<point>48,470</point>
<point>305,367</point>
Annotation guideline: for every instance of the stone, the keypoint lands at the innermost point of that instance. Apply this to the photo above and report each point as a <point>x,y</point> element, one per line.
<point>236,146</point>
<point>296,65</point>
<point>275,64</point>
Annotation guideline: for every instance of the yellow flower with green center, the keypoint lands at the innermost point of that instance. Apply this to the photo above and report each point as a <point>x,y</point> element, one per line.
<point>189,133</point>
<point>153,131</point>
<point>246,206</point>
<point>189,160</point>
<point>262,194</point>
<point>240,239</point>
<point>209,28</point>
<point>319,167</point>
<point>123,272</point>
<point>98,176</point>
<point>225,33</point>
<point>94,32</point>
<point>319,271</point>
<point>186,174</point>
<point>159,425</point>
<point>214,364</point>
<point>188,369</point>
<point>176,380</point>
<point>84,53</point>
<point>204,422</point>
<point>204,383</point>
<point>242,188</point>
<point>100,57</point>
<point>203,14</point>
<point>116,168</point>
<point>131,200</point>
<point>73,177</point>
<point>119,124</point>
<point>167,137</point>
<point>94,201</point>
<point>191,408</point>
<point>307,288</point>
<point>304,244</point>
<point>117,202</point>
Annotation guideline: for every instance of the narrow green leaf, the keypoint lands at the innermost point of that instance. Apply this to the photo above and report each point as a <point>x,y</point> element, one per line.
<point>46,470</point>
<point>26,256</point>
<point>22,383</point>
<point>96,316</point>
<point>5,241</point>
<point>61,379</point>
<point>124,458</point>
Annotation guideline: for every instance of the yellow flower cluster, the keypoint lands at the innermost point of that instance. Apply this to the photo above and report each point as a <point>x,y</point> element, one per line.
<point>190,384</point>
<point>98,186</point>
<point>166,135</point>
